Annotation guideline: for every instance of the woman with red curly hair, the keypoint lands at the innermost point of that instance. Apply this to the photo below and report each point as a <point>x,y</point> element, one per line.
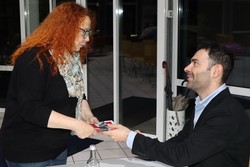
<point>46,100</point>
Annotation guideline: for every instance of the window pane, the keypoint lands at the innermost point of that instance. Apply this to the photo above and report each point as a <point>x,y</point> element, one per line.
<point>225,24</point>
<point>138,64</point>
<point>100,60</point>
<point>9,29</point>
<point>9,39</point>
<point>58,2</point>
<point>37,11</point>
<point>137,88</point>
<point>43,10</point>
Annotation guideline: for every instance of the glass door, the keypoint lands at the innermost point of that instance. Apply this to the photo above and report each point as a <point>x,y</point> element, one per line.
<point>100,60</point>
<point>121,81</point>
<point>138,53</point>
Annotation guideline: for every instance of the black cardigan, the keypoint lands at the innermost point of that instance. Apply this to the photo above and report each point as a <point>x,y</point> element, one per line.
<point>33,93</point>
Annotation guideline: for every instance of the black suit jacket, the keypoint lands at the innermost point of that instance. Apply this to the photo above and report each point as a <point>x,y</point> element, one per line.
<point>221,138</point>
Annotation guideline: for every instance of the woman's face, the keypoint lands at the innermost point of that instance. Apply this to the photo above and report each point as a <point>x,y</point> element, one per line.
<point>83,35</point>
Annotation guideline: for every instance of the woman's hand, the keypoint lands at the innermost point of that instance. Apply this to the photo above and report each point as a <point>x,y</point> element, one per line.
<point>92,120</point>
<point>87,114</point>
<point>83,129</point>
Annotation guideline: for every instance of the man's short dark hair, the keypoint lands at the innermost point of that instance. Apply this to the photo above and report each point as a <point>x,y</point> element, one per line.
<point>220,55</point>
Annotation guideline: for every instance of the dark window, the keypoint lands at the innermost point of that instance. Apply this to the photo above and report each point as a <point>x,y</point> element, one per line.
<point>223,22</point>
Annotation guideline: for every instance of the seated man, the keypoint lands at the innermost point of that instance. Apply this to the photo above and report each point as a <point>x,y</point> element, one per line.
<point>217,135</point>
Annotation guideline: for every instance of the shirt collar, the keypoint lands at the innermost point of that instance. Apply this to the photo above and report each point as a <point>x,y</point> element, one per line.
<point>205,101</point>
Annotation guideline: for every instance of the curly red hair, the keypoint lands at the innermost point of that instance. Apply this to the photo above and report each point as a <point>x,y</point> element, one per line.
<point>57,32</point>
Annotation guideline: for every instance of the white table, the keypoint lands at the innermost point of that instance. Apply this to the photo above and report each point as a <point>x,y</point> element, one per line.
<point>122,162</point>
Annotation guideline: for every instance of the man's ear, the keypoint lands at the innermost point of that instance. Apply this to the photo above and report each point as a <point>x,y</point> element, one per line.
<point>217,70</point>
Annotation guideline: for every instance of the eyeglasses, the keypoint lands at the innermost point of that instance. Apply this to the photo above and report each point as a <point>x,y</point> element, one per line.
<point>86,32</point>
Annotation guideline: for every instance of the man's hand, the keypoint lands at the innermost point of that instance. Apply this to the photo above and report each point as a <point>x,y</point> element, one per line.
<point>118,132</point>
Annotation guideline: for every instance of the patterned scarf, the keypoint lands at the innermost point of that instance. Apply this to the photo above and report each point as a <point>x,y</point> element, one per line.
<point>72,72</point>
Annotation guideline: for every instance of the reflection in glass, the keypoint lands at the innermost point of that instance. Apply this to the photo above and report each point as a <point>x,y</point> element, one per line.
<point>138,64</point>
<point>137,72</point>
<point>100,60</point>
<point>225,24</point>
